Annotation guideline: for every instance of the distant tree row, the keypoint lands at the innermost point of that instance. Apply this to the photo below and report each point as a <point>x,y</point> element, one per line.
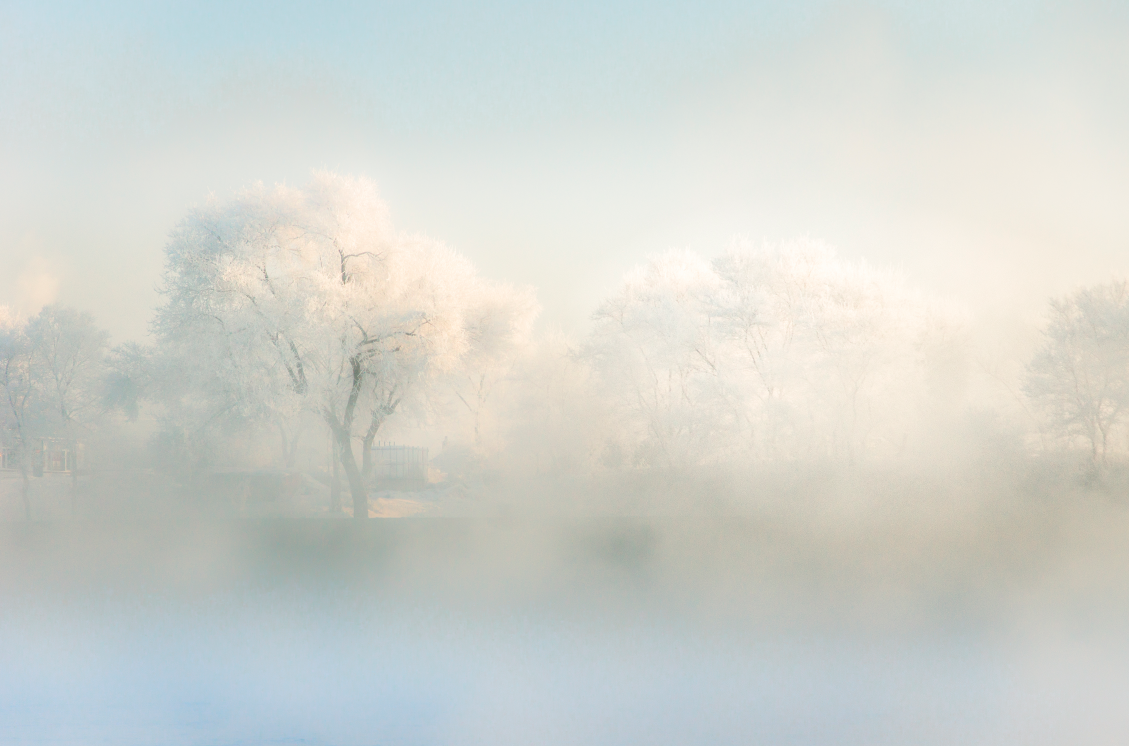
<point>286,307</point>
<point>788,352</point>
<point>769,353</point>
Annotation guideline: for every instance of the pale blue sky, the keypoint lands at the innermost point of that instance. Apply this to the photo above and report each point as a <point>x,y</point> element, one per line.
<point>980,146</point>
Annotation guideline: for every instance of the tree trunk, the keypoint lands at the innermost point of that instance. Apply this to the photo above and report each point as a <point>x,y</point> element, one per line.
<point>335,485</point>
<point>292,457</point>
<point>289,446</point>
<point>26,484</point>
<point>73,443</point>
<point>343,433</point>
<point>356,483</point>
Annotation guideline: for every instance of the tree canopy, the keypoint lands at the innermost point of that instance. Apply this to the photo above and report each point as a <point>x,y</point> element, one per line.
<point>1080,375</point>
<point>286,300</point>
<point>52,379</point>
<point>766,352</point>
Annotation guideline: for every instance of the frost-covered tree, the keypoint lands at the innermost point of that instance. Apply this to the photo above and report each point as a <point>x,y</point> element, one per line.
<point>656,355</point>
<point>52,373</point>
<point>23,401</point>
<point>839,349</point>
<point>1080,375</point>
<point>498,336</point>
<point>765,353</point>
<point>70,353</point>
<point>307,300</point>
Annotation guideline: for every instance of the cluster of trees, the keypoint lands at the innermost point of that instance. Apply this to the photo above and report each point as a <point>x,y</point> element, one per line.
<point>281,307</point>
<point>790,353</point>
<point>768,353</point>
<point>289,310</point>
<point>53,377</point>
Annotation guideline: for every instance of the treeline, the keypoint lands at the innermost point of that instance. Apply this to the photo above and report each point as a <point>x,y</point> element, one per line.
<point>302,318</point>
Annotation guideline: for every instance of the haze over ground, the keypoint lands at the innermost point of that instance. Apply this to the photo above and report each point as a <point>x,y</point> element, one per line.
<point>978,146</point>
<point>770,496</point>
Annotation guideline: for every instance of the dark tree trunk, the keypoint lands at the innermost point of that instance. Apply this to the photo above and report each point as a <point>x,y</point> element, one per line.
<point>342,430</point>
<point>289,447</point>
<point>357,487</point>
<point>335,485</point>
<point>74,475</point>
<point>24,490</point>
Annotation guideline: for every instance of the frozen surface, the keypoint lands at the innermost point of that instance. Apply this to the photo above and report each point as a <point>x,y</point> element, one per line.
<point>588,632</point>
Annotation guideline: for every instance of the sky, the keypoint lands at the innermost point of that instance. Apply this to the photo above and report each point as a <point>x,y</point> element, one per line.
<point>979,147</point>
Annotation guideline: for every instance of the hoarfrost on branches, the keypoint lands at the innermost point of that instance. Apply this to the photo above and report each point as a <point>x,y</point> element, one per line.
<point>308,301</point>
<point>766,353</point>
<point>1080,375</point>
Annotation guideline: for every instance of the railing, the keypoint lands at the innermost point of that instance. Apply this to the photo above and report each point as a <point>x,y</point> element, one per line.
<point>399,463</point>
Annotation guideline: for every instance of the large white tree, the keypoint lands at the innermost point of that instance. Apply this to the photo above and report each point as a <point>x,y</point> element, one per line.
<point>307,299</point>
<point>1080,375</point>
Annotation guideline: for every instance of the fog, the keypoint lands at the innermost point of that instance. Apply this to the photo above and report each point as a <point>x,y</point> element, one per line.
<point>605,631</point>
<point>727,373</point>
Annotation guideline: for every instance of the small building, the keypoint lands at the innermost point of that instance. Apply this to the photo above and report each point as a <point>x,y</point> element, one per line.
<point>50,456</point>
<point>395,466</point>
<point>61,456</point>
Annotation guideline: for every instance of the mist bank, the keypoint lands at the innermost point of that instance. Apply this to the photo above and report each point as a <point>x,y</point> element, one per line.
<point>915,495</point>
<point>598,630</point>
<point>869,556</point>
